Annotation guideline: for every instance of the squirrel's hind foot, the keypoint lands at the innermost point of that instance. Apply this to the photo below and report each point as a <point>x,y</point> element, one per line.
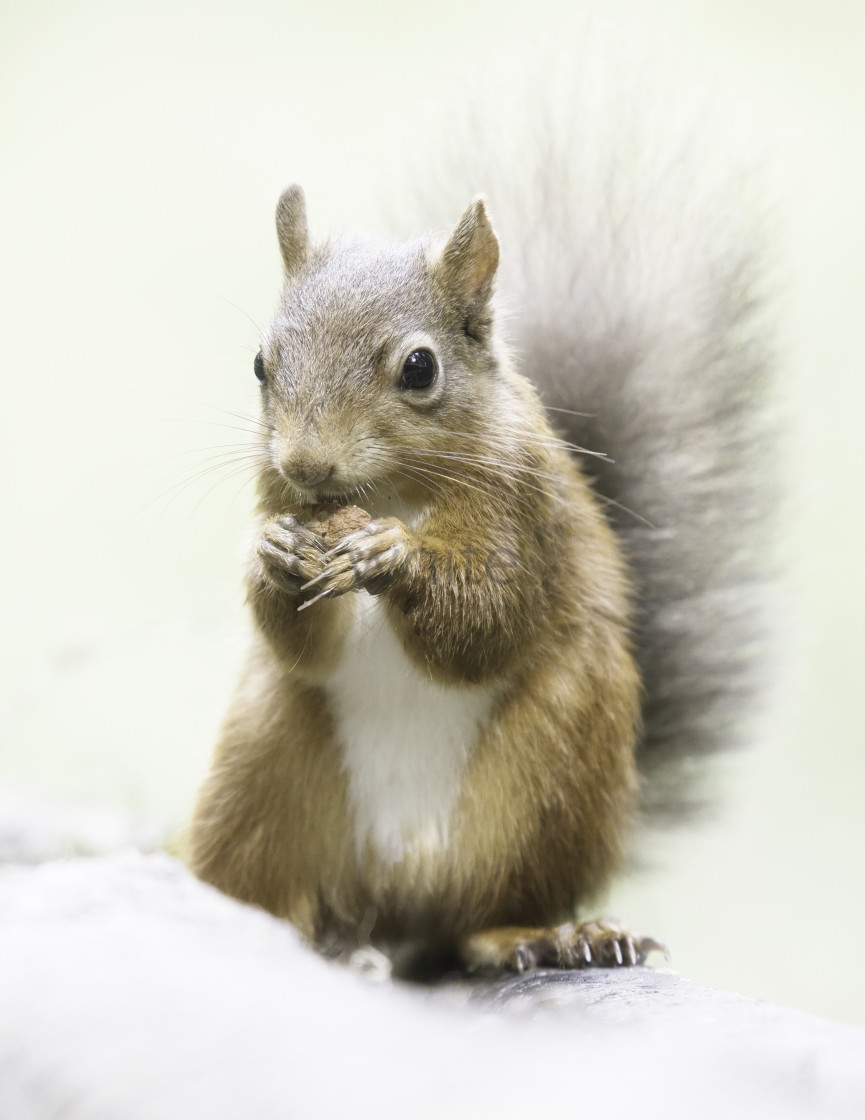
<point>603,942</point>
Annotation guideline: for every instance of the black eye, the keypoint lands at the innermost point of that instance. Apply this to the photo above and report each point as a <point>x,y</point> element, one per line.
<point>418,370</point>
<point>258,366</point>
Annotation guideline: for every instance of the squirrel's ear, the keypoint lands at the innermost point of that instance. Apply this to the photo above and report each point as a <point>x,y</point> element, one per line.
<point>467,266</point>
<point>291,228</point>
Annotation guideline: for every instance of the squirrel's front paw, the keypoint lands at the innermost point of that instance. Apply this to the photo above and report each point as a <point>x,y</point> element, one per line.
<point>368,558</point>
<point>290,554</point>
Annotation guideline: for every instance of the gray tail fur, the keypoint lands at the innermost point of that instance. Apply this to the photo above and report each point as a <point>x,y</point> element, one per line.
<point>632,282</point>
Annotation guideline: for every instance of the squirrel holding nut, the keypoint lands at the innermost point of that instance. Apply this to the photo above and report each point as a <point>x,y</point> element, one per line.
<point>503,592</point>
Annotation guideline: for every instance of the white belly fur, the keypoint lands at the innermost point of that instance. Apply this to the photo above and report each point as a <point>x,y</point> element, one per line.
<point>405,738</point>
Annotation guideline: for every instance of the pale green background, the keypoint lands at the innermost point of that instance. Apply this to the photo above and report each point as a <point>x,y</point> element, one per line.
<point>142,147</point>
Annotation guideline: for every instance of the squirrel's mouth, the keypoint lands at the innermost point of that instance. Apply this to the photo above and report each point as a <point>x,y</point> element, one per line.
<point>366,492</point>
<point>309,497</point>
<point>331,494</point>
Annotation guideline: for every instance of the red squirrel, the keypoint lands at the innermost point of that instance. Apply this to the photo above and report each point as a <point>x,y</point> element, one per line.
<point>474,639</point>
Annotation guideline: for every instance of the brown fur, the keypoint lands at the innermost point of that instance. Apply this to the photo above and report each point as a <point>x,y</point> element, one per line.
<point>546,796</point>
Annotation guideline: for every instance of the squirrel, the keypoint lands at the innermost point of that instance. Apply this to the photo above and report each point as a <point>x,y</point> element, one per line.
<point>479,645</point>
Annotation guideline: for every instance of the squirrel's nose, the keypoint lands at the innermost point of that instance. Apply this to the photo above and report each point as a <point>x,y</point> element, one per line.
<point>306,472</point>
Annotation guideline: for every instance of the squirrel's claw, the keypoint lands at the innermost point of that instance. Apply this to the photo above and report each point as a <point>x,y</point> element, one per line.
<point>312,582</point>
<point>604,943</point>
<point>321,595</point>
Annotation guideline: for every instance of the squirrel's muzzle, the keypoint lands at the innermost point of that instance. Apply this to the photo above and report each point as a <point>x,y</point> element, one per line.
<point>305,471</point>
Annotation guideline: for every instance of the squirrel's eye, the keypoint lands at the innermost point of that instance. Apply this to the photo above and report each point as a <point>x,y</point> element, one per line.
<point>258,366</point>
<point>418,370</point>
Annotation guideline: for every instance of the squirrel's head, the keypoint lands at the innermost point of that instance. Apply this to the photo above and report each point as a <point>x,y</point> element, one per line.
<point>380,357</point>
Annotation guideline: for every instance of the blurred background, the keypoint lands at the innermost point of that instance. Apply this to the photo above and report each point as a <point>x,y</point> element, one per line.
<point>142,149</point>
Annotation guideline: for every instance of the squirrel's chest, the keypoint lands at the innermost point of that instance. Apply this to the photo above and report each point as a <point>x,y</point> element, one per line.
<point>405,738</point>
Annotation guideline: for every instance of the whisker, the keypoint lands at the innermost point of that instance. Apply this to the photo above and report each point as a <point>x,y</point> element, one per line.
<point>213,461</point>
<point>256,433</point>
<point>624,509</point>
<point>415,476</point>
<point>239,490</point>
<point>518,435</point>
<point>493,467</point>
<point>226,447</point>
<point>516,484</point>
<point>231,474</point>
<point>486,460</point>
<point>454,477</point>
<point>172,492</point>
<point>236,307</point>
<point>198,404</point>
<point>261,429</point>
<point>571,412</point>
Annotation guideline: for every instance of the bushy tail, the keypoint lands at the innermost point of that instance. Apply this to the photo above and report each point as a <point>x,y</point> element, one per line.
<point>631,283</point>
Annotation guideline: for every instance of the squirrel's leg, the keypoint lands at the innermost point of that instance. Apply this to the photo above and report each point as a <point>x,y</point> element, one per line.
<point>603,942</point>
<point>271,821</point>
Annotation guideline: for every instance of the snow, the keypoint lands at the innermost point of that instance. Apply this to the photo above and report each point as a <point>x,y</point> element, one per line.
<point>129,990</point>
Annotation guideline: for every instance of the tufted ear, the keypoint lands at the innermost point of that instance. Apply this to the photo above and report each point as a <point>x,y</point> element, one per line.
<point>291,228</point>
<point>467,266</point>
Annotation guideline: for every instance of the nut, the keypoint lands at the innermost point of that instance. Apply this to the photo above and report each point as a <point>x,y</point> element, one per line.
<point>332,522</point>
